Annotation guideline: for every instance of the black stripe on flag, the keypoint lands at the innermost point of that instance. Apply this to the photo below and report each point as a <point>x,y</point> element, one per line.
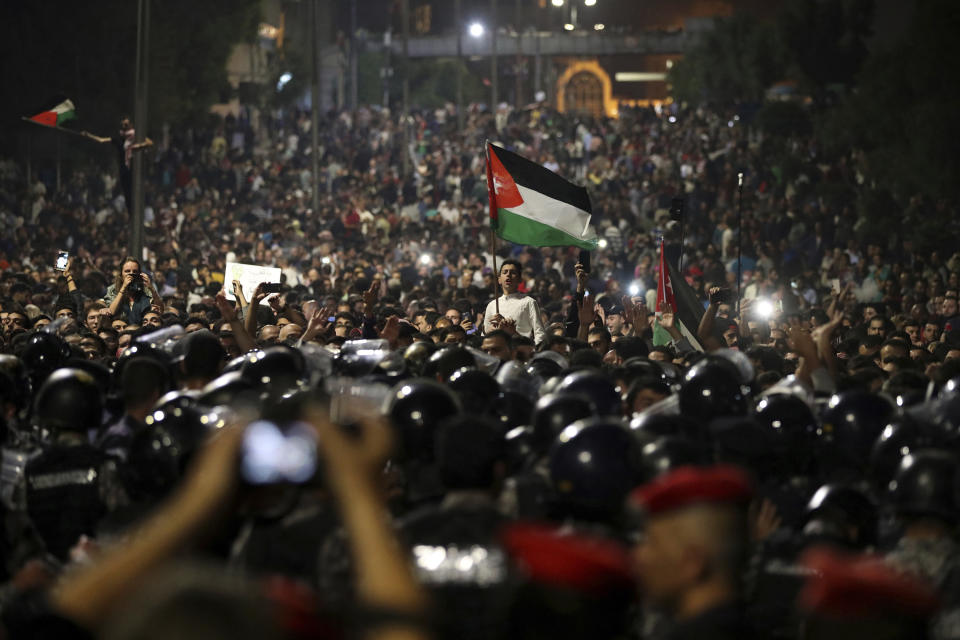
<point>689,307</point>
<point>534,176</point>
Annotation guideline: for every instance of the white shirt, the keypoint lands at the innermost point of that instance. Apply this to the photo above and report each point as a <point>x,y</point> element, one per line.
<point>521,308</point>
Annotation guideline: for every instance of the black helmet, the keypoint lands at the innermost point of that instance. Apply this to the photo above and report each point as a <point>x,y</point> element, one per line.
<point>597,386</point>
<point>519,448</point>
<point>141,350</point>
<point>904,435</point>
<point>275,369</point>
<point>851,423</point>
<point>226,389</point>
<point>159,453</point>
<point>556,411</point>
<point>416,356</point>
<point>711,389</point>
<point>514,376</point>
<point>842,515</point>
<point>544,368</point>
<point>416,408</point>
<point>17,372</point>
<point>650,426</point>
<point>667,454</point>
<point>789,421</point>
<point>476,389</point>
<point>510,409</point>
<point>593,466</point>
<point>927,484</point>
<point>443,362</point>
<point>43,353</point>
<point>640,367</point>
<point>177,399</point>
<point>69,400</point>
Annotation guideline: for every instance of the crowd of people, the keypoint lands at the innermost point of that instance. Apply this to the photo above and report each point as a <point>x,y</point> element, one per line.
<point>418,433</point>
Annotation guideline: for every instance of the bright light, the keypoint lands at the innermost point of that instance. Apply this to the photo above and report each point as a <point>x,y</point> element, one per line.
<point>589,3</point>
<point>602,243</point>
<point>425,259</point>
<point>285,77</point>
<point>557,3</point>
<point>672,119</point>
<point>568,27</point>
<point>599,26</point>
<point>476,29</point>
<point>634,289</point>
<point>764,308</point>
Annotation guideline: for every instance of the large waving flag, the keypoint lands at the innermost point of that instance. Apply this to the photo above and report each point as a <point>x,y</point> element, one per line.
<point>57,115</point>
<point>682,301</point>
<point>532,205</point>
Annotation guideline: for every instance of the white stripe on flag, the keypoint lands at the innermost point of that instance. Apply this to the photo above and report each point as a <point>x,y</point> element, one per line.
<point>555,213</point>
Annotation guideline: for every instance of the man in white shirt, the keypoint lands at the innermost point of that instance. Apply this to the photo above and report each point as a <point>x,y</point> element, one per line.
<point>519,314</point>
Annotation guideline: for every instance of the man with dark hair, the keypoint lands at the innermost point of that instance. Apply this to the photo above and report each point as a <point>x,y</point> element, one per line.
<point>499,344</point>
<point>518,313</point>
<point>599,339</point>
<point>142,382</point>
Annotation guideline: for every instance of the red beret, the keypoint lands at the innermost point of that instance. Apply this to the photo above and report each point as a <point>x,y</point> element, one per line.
<point>692,485</point>
<point>588,564</point>
<point>861,586</point>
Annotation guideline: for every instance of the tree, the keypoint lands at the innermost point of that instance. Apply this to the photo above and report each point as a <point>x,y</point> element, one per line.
<point>735,62</point>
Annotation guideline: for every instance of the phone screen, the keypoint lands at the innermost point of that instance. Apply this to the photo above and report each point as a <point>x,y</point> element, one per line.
<point>62,258</point>
<point>273,454</point>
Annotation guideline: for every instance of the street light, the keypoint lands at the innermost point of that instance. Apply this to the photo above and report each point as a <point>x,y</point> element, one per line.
<point>589,3</point>
<point>599,26</point>
<point>476,29</point>
<point>568,27</point>
<point>556,3</point>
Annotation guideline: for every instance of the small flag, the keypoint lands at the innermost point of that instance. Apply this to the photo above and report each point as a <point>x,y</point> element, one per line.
<point>533,206</point>
<point>57,115</point>
<point>682,302</point>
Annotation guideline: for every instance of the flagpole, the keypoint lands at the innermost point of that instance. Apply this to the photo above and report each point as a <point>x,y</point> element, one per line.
<point>82,134</point>
<point>739,238</point>
<point>491,194</point>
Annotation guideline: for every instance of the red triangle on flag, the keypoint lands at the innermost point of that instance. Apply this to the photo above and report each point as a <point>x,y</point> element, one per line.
<point>665,297</point>
<point>504,192</point>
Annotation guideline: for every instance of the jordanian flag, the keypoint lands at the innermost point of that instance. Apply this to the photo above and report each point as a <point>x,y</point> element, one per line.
<point>532,205</point>
<point>681,301</point>
<point>57,115</point>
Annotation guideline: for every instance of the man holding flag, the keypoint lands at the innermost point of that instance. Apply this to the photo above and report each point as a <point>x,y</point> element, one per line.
<point>672,320</point>
<point>533,206</point>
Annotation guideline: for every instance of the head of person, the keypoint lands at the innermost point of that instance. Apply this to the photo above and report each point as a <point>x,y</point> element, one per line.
<point>343,324</point>
<point>523,348</point>
<point>614,321</point>
<point>510,277</point>
<point>152,319</point>
<point>454,335</point>
<point>877,326</point>
<point>599,340</point>
<point>949,307</point>
<point>129,267</point>
<point>498,344</point>
<point>93,316</point>
<point>694,545</point>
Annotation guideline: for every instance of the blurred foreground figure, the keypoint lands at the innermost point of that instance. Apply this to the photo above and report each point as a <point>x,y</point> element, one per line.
<point>692,551</point>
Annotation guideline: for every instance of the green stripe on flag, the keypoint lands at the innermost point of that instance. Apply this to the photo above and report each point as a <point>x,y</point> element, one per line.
<point>661,337</point>
<point>522,230</point>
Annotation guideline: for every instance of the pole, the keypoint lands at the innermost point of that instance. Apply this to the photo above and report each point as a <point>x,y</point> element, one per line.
<point>405,109</point>
<point>457,20</point>
<point>58,162</point>
<point>739,237</point>
<point>353,57</point>
<point>518,91</point>
<point>492,195</point>
<point>29,160</point>
<point>314,105</point>
<point>141,84</point>
<point>536,64</point>
<point>493,56</point>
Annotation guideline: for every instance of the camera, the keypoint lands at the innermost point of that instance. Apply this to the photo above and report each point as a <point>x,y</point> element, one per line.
<point>270,287</point>
<point>136,285</point>
<point>723,296</point>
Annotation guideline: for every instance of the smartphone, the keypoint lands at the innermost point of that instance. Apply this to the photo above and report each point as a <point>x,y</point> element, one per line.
<point>835,285</point>
<point>63,258</point>
<point>270,287</point>
<point>274,453</point>
<point>584,259</point>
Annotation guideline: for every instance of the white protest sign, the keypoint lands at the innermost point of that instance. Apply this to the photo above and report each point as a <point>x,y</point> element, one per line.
<point>249,275</point>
